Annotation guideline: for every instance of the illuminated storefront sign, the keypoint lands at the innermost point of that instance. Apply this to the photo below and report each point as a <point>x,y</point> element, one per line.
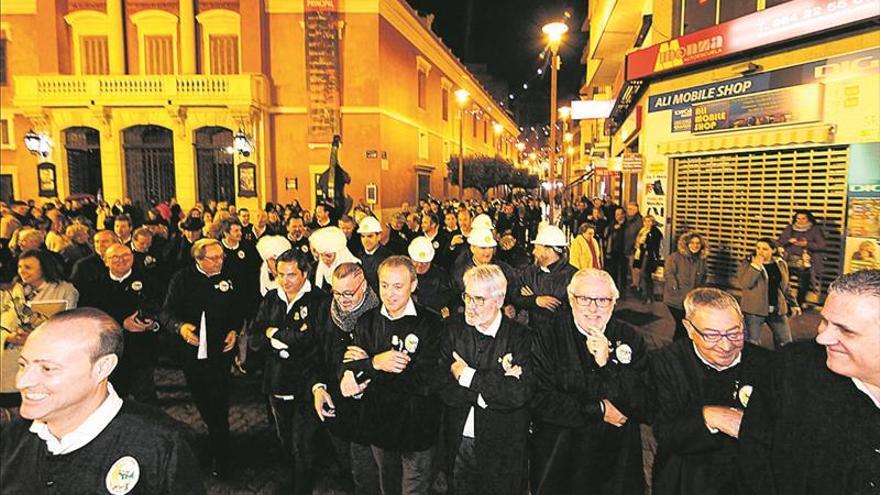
<point>780,23</point>
<point>795,105</point>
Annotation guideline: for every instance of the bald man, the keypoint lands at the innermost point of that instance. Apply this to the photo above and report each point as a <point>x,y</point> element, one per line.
<point>75,434</point>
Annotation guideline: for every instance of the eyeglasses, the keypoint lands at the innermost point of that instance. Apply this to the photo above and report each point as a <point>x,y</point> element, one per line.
<point>478,301</point>
<point>599,302</point>
<point>713,336</point>
<point>121,257</point>
<point>214,258</point>
<point>347,294</point>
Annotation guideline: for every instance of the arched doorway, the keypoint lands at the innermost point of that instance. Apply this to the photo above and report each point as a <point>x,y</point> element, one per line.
<point>149,164</point>
<point>83,145</point>
<point>214,161</point>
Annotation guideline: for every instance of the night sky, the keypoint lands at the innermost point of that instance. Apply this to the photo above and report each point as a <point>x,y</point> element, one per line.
<point>506,35</point>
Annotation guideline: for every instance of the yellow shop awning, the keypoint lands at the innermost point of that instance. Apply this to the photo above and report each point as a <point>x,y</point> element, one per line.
<point>821,133</point>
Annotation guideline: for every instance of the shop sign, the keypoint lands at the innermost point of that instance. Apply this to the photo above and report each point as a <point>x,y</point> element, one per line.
<point>851,65</point>
<point>632,162</point>
<point>600,165</point>
<point>785,106</point>
<point>783,22</point>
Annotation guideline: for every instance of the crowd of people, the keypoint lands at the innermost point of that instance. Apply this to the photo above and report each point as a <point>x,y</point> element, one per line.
<point>466,346</point>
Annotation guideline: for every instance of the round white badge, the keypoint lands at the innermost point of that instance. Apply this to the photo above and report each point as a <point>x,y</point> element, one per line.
<point>411,343</point>
<point>284,354</point>
<point>624,354</point>
<point>123,476</point>
<point>506,361</point>
<point>149,260</point>
<point>745,393</point>
<point>241,255</point>
<point>137,285</point>
<point>304,248</point>
<point>436,245</point>
<point>224,286</point>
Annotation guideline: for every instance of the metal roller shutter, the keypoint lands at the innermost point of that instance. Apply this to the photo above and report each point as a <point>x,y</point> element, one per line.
<point>733,199</point>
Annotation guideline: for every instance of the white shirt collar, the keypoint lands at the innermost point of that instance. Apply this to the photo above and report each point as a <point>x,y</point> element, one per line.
<point>227,246</point>
<point>410,310</point>
<point>715,366</point>
<point>119,279</point>
<point>87,431</point>
<point>864,388</point>
<point>584,332</point>
<point>306,287</point>
<point>370,253</point>
<point>203,272</point>
<point>492,331</point>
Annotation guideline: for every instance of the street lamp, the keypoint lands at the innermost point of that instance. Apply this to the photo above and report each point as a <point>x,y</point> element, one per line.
<point>39,144</point>
<point>554,32</point>
<point>242,144</point>
<point>461,96</point>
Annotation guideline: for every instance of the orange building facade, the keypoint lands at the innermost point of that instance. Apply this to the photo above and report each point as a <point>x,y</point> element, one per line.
<point>148,99</point>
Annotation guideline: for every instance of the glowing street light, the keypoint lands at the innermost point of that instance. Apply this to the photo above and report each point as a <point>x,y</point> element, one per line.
<point>461,96</point>
<point>554,32</point>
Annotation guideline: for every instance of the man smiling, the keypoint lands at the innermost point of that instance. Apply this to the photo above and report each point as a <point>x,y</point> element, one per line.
<point>76,435</point>
<point>816,429</point>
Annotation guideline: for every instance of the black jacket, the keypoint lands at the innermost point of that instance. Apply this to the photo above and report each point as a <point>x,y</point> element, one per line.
<point>501,429</point>
<point>690,460</point>
<point>553,283</point>
<point>574,449</point>
<point>401,411</point>
<point>370,263</point>
<point>287,371</point>
<point>85,276</point>
<point>190,294</point>
<point>809,430</point>
<point>435,290</point>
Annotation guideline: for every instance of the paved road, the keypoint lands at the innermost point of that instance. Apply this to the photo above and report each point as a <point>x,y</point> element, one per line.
<point>261,467</point>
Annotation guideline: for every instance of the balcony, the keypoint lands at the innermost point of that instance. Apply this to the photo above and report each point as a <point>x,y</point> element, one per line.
<point>234,90</point>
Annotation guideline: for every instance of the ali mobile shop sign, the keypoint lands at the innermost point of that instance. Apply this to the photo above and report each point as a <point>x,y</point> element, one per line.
<point>780,23</point>
<point>794,105</point>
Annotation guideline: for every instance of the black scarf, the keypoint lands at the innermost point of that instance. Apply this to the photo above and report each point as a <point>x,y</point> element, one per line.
<point>347,321</point>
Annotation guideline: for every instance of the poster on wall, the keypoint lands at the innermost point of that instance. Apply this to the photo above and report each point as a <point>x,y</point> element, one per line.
<point>655,191</point>
<point>321,20</point>
<point>862,253</point>
<point>794,105</point>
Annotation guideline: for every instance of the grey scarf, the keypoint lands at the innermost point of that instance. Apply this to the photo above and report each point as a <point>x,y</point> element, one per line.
<point>347,321</point>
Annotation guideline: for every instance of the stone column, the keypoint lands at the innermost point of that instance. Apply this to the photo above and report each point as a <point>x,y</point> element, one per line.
<point>116,36</point>
<point>187,37</point>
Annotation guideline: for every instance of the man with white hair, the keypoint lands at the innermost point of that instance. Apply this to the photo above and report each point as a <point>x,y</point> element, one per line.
<point>702,387</point>
<point>542,286</point>
<point>329,247</point>
<point>590,395</point>
<point>816,427</point>
<point>373,252</point>
<point>486,390</point>
<point>434,290</point>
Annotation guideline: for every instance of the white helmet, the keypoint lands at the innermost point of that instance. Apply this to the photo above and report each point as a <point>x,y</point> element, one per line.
<point>482,221</point>
<point>482,237</point>
<point>551,235</point>
<point>369,225</point>
<point>421,250</point>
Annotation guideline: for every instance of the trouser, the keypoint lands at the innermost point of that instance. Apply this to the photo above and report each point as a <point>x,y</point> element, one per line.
<point>803,283</point>
<point>404,473</point>
<point>778,325</point>
<point>678,316</point>
<point>357,460</point>
<point>208,383</point>
<point>296,430</point>
<point>617,268</point>
<point>137,382</point>
<point>464,471</point>
<point>647,285</point>
<point>633,270</point>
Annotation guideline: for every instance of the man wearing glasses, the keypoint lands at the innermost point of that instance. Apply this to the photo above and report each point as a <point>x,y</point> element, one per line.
<point>486,359</point>
<point>590,396</point>
<point>203,308</point>
<point>702,387</point>
<point>816,429</point>
<point>352,297</point>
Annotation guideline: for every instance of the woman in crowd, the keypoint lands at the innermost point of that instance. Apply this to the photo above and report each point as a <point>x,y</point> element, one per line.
<point>804,244</point>
<point>647,255</point>
<point>585,249</point>
<point>614,248</point>
<point>684,270</point>
<point>766,296</point>
<point>40,280</point>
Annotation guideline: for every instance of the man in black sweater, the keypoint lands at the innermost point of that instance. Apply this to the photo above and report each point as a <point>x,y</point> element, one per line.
<point>373,253</point>
<point>76,435</point>
<point>394,364</point>
<point>816,427</point>
<point>285,325</point>
<point>204,309</point>
<point>702,387</point>
<point>88,271</point>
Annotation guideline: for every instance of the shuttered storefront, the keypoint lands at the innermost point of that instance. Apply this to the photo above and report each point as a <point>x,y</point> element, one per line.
<point>735,198</point>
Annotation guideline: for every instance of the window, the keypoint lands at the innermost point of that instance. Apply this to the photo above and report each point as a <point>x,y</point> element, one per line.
<point>93,55</point>
<point>423,145</point>
<point>158,55</point>
<point>5,134</point>
<point>423,90</point>
<point>444,103</point>
<point>224,54</point>
<point>3,62</point>
<point>474,123</point>
<point>485,130</point>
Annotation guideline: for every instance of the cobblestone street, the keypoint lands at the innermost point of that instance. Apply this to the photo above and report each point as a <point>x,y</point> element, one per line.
<point>260,469</point>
